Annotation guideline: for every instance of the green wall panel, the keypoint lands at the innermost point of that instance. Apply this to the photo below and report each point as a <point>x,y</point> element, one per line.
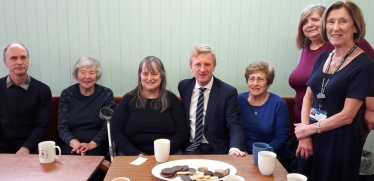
<point>120,33</point>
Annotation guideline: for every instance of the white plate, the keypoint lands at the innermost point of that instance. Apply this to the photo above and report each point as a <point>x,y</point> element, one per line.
<point>192,163</point>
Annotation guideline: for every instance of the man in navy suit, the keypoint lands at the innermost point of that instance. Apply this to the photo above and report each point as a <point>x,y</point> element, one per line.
<point>223,130</point>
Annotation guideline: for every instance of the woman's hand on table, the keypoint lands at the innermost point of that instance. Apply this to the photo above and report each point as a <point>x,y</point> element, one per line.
<point>75,144</point>
<point>84,147</point>
<point>305,148</point>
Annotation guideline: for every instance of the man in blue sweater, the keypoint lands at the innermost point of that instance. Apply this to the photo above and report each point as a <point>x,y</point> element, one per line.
<point>25,104</point>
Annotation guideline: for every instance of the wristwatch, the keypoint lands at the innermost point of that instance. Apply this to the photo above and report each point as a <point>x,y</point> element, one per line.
<point>319,131</point>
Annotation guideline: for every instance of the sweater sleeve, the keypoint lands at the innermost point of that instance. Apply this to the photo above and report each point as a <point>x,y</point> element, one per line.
<point>179,118</point>
<point>118,127</point>
<point>282,126</point>
<point>42,119</point>
<point>103,134</point>
<point>63,117</point>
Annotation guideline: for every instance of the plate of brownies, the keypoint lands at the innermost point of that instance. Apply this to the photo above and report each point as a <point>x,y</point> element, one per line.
<point>193,169</point>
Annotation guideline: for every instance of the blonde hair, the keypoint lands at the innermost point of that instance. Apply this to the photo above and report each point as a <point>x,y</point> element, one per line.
<point>202,49</point>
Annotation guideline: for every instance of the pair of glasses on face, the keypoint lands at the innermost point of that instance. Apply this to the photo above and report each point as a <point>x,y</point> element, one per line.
<point>258,79</point>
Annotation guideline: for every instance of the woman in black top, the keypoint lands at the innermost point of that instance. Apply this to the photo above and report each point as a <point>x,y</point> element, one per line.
<point>79,124</point>
<point>148,112</point>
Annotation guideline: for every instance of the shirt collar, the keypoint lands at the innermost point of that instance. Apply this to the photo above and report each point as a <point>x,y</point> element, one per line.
<point>208,86</point>
<point>24,85</point>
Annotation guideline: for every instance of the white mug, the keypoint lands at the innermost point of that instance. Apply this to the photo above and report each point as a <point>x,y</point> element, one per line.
<point>162,149</point>
<point>233,178</point>
<point>47,151</point>
<point>266,162</point>
<point>121,179</point>
<point>296,177</point>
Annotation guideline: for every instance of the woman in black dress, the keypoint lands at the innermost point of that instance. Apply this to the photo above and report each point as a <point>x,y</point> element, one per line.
<point>330,142</point>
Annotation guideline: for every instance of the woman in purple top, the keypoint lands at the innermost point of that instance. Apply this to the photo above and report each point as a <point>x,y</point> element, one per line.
<point>309,40</point>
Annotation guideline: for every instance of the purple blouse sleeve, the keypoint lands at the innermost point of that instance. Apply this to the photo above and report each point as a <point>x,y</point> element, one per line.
<point>364,45</point>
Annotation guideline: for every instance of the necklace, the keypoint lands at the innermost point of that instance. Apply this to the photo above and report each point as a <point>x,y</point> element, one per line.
<point>333,64</point>
<point>261,103</point>
<point>255,110</point>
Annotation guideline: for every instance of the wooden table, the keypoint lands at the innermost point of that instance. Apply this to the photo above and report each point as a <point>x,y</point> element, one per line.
<point>121,167</point>
<point>67,167</point>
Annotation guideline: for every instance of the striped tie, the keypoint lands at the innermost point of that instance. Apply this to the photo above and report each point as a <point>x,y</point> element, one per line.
<point>199,121</point>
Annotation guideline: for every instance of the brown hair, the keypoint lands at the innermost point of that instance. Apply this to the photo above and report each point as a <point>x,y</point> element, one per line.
<point>162,101</point>
<point>356,15</point>
<point>301,39</point>
<point>262,66</point>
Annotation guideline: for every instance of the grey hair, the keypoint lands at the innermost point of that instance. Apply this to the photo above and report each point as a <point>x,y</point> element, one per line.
<point>162,101</point>
<point>8,45</point>
<point>86,61</point>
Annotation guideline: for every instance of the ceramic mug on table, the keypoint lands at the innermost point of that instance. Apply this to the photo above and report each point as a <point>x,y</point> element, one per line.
<point>257,147</point>
<point>162,149</point>
<point>233,178</point>
<point>121,179</point>
<point>47,151</point>
<point>296,177</point>
<point>266,162</point>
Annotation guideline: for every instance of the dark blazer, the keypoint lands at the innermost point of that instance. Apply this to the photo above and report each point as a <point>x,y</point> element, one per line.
<point>223,127</point>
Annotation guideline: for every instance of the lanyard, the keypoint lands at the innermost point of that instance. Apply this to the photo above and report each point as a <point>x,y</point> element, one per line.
<point>321,95</point>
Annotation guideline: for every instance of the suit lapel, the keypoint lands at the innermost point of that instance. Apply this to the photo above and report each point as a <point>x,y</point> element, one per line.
<point>213,97</point>
<point>188,95</point>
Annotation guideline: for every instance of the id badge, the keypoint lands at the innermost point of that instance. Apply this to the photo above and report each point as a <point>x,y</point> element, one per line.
<point>317,115</point>
<point>321,96</point>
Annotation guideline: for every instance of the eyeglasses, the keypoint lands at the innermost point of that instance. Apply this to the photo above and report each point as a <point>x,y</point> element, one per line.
<point>253,79</point>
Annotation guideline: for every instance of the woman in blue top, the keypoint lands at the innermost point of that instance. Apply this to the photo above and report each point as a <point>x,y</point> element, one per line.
<point>265,114</point>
